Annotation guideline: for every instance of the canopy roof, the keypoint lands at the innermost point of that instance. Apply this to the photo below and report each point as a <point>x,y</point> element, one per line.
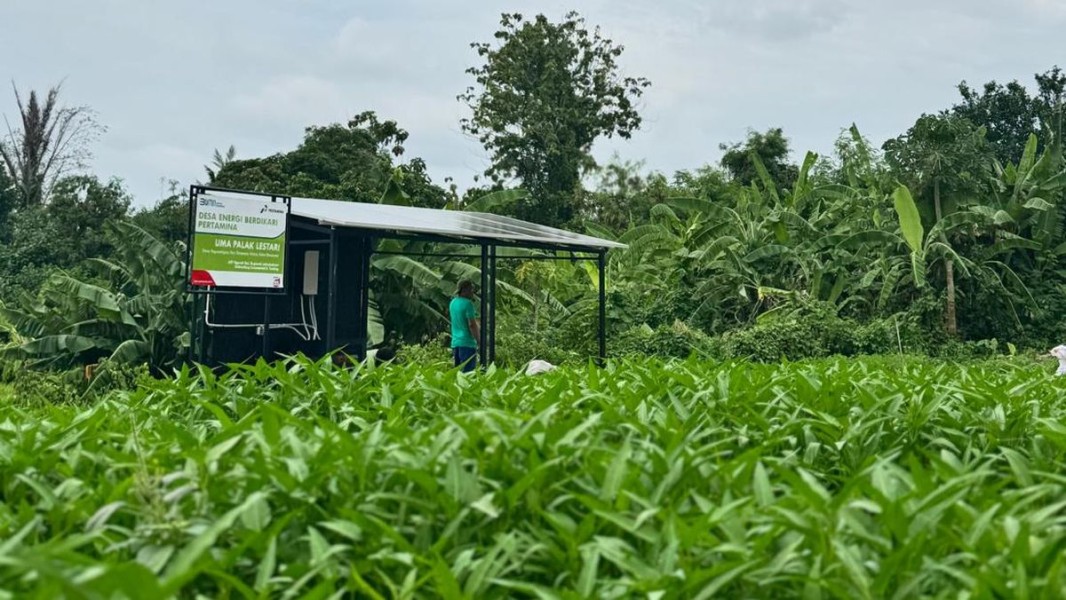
<point>459,225</point>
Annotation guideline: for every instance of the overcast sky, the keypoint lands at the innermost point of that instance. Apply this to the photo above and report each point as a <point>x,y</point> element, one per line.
<point>174,80</point>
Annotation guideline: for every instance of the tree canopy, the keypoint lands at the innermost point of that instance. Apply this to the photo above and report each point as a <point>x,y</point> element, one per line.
<point>771,148</point>
<point>48,142</point>
<point>352,162</point>
<point>544,94</point>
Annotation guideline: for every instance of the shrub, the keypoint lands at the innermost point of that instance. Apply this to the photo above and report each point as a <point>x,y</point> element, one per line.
<point>43,388</point>
<point>675,341</point>
<point>967,350</point>
<point>108,376</point>
<point>800,334</point>
<point>814,332</point>
<point>901,333</point>
<point>9,369</point>
<point>518,348</point>
<point>431,351</point>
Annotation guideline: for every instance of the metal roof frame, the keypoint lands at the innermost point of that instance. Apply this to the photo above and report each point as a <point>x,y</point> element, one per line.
<point>444,225</point>
<point>485,230</point>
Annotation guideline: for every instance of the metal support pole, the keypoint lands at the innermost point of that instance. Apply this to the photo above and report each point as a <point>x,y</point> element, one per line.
<point>266,328</point>
<point>195,332</point>
<point>190,356</point>
<point>331,294</point>
<point>602,264</point>
<point>493,287</point>
<point>366,250</point>
<point>199,323</point>
<point>483,291</point>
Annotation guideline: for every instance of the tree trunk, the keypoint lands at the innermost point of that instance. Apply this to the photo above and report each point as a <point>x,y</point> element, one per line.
<point>950,322</point>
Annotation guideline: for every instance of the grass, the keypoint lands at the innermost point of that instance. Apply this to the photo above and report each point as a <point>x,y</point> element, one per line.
<point>877,478</point>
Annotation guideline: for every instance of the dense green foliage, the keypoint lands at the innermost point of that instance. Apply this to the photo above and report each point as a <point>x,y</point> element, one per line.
<point>60,234</point>
<point>831,479</point>
<point>738,468</point>
<point>134,311</point>
<point>545,93</point>
<point>352,162</point>
<point>756,255</point>
<point>1010,114</point>
<point>771,148</point>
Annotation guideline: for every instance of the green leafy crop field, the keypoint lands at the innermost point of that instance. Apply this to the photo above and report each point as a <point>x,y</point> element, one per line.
<point>874,478</point>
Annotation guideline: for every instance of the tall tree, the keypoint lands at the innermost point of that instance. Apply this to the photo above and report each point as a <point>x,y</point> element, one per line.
<point>61,234</point>
<point>168,219</point>
<point>944,158</point>
<point>771,148</point>
<point>1009,113</point>
<point>48,142</point>
<point>622,197</point>
<point>80,209</point>
<point>1052,94</point>
<point>545,93</point>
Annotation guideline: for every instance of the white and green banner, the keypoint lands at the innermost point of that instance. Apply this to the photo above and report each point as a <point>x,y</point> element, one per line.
<point>238,242</point>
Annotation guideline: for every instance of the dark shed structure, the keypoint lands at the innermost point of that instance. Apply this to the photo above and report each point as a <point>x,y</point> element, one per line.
<point>325,302</point>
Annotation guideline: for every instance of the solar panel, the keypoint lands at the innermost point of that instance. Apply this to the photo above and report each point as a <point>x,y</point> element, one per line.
<point>446,223</point>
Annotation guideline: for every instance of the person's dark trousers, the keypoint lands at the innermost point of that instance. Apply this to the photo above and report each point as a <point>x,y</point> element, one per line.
<point>465,358</point>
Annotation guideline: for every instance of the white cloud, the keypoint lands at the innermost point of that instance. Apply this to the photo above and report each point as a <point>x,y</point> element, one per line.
<point>778,21</point>
<point>294,98</point>
<point>173,81</point>
<point>1049,8</point>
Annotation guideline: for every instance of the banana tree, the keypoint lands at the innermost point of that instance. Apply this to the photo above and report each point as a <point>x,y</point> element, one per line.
<point>134,313</point>
<point>945,157</point>
<point>927,248</point>
<point>1025,196</point>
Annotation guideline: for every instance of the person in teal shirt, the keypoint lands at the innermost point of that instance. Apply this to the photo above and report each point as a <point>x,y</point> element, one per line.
<point>466,329</point>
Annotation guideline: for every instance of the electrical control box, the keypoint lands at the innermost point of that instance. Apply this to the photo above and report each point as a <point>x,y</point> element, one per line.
<point>311,273</point>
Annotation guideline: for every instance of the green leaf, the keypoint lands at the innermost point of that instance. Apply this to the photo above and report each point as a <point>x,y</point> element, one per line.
<point>183,568</point>
<point>394,193</point>
<point>910,222</point>
<point>132,352</point>
<point>266,566</point>
<point>123,580</point>
<point>257,517</point>
<point>764,495</point>
<point>764,177</point>
<point>154,557</point>
<point>1025,165</point>
<point>616,473</point>
<point>1038,204</point>
<point>495,201</point>
<point>51,345</point>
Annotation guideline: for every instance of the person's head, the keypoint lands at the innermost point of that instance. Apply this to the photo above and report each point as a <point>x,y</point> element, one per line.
<point>466,289</point>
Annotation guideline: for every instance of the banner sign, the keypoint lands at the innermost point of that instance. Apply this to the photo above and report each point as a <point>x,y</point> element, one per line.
<point>238,242</point>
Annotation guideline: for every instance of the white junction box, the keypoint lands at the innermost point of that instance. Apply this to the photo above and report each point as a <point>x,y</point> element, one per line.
<point>311,273</point>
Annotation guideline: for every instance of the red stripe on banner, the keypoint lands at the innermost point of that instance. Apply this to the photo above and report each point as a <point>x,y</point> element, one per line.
<point>202,278</point>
